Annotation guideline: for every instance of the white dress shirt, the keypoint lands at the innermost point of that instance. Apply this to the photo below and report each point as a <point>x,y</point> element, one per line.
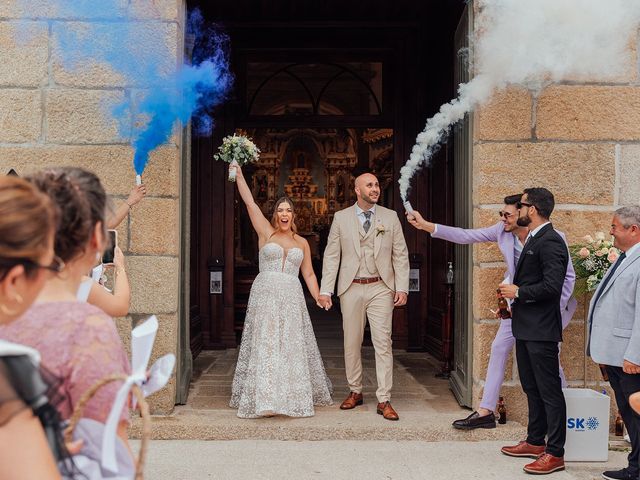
<point>629,251</point>
<point>362,217</point>
<point>533,232</point>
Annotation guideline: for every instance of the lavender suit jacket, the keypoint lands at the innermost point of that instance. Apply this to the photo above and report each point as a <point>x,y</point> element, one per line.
<point>506,241</point>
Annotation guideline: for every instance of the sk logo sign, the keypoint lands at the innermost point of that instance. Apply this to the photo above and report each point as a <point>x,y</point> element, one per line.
<point>582,424</point>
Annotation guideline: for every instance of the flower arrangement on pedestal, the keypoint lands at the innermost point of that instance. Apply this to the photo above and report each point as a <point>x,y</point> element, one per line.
<point>591,260</point>
<point>238,150</point>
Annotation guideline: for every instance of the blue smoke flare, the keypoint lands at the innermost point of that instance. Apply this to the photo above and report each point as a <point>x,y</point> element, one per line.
<point>157,94</point>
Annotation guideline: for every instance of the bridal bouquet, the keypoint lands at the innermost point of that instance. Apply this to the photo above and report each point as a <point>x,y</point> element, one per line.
<point>237,150</point>
<point>591,260</point>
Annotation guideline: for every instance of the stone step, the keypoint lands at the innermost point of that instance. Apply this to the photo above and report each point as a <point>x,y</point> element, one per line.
<point>329,423</point>
<point>424,402</point>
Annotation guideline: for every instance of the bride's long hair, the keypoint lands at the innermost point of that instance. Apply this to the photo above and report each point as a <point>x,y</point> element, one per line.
<point>274,217</point>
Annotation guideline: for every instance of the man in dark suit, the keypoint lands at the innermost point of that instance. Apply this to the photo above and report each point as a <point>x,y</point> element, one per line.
<point>537,328</point>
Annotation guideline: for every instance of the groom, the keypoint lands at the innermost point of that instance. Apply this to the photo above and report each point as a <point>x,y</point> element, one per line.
<point>367,246</point>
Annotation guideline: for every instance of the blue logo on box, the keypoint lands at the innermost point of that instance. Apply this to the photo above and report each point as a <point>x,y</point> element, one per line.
<point>582,424</point>
<point>593,423</point>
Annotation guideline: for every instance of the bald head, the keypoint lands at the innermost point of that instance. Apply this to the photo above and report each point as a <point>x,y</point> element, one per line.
<point>365,178</point>
<point>367,190</point>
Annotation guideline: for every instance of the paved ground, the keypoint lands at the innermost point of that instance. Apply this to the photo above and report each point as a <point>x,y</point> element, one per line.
<point>352,460</point>
<point>425,403</point>
<point>205,440</point>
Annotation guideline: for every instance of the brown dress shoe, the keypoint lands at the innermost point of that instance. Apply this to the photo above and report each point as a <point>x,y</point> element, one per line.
<point>352,401</point>
<point>523,449</point>
<point>545,463</point>
<point>386,410</point>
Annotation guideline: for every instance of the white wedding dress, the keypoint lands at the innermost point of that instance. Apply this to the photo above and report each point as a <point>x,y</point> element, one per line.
<point>279,369</point>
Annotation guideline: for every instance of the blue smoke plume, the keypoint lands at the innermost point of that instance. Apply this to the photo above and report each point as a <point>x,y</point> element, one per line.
<point>157,93</point>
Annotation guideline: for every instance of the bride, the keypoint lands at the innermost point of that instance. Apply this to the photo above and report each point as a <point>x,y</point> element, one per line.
<point>279,369</point>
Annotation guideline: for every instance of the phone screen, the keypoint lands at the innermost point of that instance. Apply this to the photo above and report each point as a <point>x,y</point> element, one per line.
<point>108,255</point>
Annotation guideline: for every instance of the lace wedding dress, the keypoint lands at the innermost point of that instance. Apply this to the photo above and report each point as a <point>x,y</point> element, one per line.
<point>279,369</point>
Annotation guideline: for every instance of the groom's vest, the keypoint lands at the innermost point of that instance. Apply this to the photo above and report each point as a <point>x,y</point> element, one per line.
<point>367,267</point>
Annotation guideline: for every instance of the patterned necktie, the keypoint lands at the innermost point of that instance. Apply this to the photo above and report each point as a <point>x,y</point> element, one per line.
<point>367,223</point>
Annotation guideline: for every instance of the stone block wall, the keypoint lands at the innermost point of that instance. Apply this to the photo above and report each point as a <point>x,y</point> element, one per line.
<point>581,140</point>
<point>51,114</point>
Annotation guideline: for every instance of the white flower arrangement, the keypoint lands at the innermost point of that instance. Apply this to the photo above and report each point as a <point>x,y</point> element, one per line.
<point>591,260</point>
<point>238,150</point>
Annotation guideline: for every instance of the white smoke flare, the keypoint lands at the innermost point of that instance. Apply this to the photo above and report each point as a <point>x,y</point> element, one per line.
<point>531,44</point>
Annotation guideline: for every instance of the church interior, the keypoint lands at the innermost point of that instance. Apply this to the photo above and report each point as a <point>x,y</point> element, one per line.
<point>326,91</point>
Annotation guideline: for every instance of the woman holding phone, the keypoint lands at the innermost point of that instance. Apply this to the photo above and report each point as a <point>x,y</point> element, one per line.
<point>115,303</point>
<point>77,341</point>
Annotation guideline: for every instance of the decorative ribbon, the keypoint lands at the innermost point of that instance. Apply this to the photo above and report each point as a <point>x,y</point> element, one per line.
<point>109,436</point>
<point>142,339</point>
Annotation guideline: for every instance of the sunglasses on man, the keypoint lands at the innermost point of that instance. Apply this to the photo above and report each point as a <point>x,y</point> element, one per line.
<point>519,205</point>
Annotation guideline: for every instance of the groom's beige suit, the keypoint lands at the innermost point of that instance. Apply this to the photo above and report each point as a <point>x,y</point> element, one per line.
<point>353,255</point>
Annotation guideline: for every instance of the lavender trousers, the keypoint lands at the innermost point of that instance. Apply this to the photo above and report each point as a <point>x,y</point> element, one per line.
<point>500,349</point>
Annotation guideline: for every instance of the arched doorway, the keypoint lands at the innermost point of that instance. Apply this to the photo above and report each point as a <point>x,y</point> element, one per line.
<point>325,98</point>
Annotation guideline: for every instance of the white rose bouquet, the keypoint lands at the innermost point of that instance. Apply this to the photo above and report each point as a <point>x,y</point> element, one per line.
<point>591,260</point>
<point>237,150</point>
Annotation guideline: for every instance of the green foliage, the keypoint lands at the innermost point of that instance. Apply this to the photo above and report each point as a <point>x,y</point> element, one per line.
<point>238,148</point>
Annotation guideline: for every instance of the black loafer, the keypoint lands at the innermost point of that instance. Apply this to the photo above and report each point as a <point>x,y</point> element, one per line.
<point>622,474</point>
<point>476,421</point>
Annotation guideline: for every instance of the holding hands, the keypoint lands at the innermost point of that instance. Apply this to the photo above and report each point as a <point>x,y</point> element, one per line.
<point>324,301</point>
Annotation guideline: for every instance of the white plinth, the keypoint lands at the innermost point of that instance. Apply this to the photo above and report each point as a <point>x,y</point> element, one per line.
<point>587,425</point>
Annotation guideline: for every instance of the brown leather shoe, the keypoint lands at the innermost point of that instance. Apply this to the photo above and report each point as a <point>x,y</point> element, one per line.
<point>523,449</point>
<point>386,410</point>
<point>352,401</point>
<point>545,463</point>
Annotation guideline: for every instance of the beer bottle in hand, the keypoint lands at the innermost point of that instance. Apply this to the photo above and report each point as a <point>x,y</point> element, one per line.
<point>503,307</point>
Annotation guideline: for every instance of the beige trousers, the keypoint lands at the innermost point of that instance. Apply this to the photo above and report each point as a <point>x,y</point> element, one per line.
<point>373,301</point>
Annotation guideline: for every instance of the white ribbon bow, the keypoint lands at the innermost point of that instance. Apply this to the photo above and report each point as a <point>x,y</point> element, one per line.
<point>142,338</point>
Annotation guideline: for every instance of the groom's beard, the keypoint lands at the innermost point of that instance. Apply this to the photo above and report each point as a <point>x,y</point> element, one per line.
<point>368,199</point>
<point>524,221</point>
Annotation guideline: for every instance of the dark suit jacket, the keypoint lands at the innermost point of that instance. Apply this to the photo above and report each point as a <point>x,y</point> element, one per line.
<point>540,275</point>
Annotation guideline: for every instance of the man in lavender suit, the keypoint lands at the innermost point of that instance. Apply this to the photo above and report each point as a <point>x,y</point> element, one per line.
<point>510,239</point>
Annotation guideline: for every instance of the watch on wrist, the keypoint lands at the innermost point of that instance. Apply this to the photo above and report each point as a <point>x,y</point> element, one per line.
<point>517,291</point>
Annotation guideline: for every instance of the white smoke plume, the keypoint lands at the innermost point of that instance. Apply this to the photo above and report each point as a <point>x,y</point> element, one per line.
<point>531,44</point>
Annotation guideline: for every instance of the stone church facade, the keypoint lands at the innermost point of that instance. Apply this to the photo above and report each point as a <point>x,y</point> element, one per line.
<point>580,139</point>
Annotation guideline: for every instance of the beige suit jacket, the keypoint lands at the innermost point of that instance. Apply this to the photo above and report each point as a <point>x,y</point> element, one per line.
<point>342,255</point>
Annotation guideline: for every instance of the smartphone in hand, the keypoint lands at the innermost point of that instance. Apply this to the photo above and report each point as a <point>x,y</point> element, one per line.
<point>109,253</point>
